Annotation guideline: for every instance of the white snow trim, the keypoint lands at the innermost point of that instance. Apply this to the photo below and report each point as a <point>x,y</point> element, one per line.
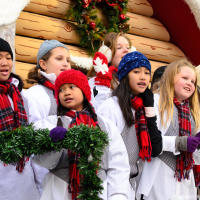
<point>10,10</point>
<point>82,62</point>
<point>194,6</point>
<point>99,66</point>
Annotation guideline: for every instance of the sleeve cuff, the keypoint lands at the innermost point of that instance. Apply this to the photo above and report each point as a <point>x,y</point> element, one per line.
<point>169,144</point>
<point>149,111</point>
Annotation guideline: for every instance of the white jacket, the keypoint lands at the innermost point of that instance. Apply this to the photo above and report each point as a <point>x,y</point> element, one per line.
<point>37,101</point>
<point>110,110</point>
<point>157,179</point>
<point>104,93</point>
<point>15,185</point>
<point>114,170</point>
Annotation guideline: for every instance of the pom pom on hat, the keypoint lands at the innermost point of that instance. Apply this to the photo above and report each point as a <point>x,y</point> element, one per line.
<point>131,61</point>
<point>5,46</point>
<point>47,46</point>
<point>74,77</point>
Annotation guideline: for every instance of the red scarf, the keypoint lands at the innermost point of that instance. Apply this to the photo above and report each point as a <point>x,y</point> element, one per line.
<point>9,118</point>
<point>44,81</point>
<point>141,129</point>
<point>184,161</point>
<point>81,117</point>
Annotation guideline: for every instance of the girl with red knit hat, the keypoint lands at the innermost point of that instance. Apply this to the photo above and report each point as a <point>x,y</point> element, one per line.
<point>131,111</point>
<point>73,96</point>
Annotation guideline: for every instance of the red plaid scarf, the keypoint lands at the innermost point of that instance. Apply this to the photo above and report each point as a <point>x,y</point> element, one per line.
<point>44,81</point>
<point>184,161</point>
<point>9,118</point>
<point>81,117</point>
<point>141,129</point>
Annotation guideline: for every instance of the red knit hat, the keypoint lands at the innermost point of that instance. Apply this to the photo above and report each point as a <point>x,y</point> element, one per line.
<point>75,77</point>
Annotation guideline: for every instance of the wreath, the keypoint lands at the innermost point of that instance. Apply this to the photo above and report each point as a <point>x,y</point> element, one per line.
<point>90,27</point>
<point>89,142</point>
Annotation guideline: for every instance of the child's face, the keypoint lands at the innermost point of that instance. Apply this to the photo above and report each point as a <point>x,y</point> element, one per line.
<point>184,83</point>
<point>121,49</point>
<point>6,64</point>
<point>139,79</point>
<point>71,97</point>
<point>58,61</point>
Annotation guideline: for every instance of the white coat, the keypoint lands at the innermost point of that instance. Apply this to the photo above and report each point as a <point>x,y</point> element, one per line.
<point>110,110</point>
<point>114,170</point>
<point>15,185</point>
<point>157,179</point>
<point>104,93</point>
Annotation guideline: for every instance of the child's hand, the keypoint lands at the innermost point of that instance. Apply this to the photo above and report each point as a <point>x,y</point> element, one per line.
<point>147,97</point>
<point>58,133</point>
<point>192,143</point>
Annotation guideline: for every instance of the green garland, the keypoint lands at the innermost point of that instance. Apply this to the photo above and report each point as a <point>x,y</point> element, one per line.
<point>90,27</point>
<point>88,142</point>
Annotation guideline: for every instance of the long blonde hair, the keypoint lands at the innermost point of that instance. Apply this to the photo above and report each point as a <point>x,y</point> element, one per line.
<point>167,92</point>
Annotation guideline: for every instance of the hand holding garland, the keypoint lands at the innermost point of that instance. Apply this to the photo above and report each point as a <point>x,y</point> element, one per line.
<point>89,142</point>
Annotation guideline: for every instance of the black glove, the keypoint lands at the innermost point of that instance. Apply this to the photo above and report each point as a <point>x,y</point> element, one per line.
<point>147,97</point>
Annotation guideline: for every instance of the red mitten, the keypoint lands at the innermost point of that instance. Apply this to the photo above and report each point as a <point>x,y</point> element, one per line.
<point>104,75</point>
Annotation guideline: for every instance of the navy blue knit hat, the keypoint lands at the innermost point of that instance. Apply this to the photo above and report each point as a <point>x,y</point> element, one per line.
<point>130,61</point>
<point>4,46</point>
<point>47,46</point>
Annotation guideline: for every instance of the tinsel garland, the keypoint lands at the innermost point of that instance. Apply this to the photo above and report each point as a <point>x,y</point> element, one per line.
<point>90,28</point>
<point>89,142</point>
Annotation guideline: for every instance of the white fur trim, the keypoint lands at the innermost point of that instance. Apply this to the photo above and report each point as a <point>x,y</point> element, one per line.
<point>10,10</point>
<point>133,49</point>
<point>194,6</point>
<point>99,66</point>
<point>82,62</point>
<point>106,51</point>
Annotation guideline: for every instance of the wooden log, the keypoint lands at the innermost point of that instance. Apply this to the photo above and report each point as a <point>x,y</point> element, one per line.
<point>34,25</point>
<point>58,8</point>
<point>141,7</point>
<point>22,70</point>
<point>139,25</point>
<point>156,50</point>
<point>147,27</point>
<point>26,49</point>
<point>37,26</point>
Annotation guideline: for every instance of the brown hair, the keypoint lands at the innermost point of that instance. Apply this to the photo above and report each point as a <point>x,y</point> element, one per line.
<point>34,76</point>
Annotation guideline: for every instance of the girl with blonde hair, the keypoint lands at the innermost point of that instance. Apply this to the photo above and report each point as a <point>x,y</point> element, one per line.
<point>170,175</point>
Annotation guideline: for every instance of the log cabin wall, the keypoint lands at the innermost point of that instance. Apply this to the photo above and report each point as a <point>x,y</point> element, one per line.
<point>45,19</point>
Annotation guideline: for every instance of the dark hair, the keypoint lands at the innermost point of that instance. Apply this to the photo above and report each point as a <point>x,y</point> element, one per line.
<point>61,111</point>
<point>156,77</point>
<point>34,76</point>
<point>124,92</point>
